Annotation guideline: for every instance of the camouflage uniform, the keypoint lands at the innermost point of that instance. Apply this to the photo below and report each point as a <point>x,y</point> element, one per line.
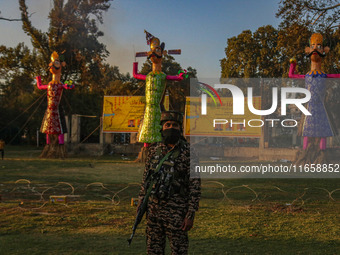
<point>169,204</point>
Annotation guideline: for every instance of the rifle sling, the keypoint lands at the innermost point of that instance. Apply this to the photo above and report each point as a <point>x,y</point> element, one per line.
<point>146,198</point>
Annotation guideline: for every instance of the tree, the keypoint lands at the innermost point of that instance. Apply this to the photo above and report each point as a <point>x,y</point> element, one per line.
<point>240,56</point>
<point>266,52</point>
<point>118,84</point>
<point>17,93</point>
<point>322,15</point>
<point>253,55</point>
<point>8,19</point>
<point>74,32</point>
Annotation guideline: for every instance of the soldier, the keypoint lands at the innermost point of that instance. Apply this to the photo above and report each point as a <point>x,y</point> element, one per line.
<point>174,195</point>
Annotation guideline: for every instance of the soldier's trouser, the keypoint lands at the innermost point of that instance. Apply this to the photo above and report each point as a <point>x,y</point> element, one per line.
<point>158,228</point>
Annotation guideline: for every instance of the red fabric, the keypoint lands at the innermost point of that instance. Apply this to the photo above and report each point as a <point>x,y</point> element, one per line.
<point>51,123</point>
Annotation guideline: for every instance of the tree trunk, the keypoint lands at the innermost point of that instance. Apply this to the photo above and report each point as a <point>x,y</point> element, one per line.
<point>313,154</point>
<point>54,149</point>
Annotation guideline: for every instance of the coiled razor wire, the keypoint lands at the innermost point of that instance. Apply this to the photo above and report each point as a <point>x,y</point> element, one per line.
<point>115,199</point>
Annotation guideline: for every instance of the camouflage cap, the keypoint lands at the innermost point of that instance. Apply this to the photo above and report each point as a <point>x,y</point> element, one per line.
<point>173,116</point>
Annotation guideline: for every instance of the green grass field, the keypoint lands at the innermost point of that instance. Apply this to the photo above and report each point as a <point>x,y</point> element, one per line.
<point>257,216</point>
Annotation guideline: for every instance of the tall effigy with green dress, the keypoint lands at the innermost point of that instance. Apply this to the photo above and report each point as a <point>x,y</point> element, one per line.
<point>150,128</point>
<point>150,131</point>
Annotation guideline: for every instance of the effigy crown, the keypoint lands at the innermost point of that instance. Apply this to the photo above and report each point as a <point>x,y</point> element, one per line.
<point>316,39</point>
<point>54,56</point>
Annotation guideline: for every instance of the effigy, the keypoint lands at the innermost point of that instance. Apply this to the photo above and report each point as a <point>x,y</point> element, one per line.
<point>54,124</point>
<point>317,126</point>
<point>149,131</point>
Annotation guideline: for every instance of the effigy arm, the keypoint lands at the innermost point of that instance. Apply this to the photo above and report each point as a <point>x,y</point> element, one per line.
<point>336,75</point>
<point>292,72</point>
<point>39,85</point>
<point>135,72</point>
<point>175,78</point>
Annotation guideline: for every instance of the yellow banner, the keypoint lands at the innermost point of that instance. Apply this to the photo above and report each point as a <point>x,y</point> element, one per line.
<point>232,125</point>
<point>123,114</point>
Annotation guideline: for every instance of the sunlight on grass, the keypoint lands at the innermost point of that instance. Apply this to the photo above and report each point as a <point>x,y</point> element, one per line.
<point>94,223</point>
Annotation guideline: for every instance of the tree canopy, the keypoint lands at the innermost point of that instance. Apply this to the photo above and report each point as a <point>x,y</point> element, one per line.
<point>265,53</point>
<point>320,15</point>
<point>73,32</point>
<point>253,55</point>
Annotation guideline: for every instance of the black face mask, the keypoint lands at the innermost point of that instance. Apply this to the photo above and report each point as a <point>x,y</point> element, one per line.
<point>171,136</point>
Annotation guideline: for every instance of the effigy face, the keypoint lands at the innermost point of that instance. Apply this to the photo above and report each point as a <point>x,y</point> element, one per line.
<point>156,51</point>
<point>316,51</point>
<point>56,65</point>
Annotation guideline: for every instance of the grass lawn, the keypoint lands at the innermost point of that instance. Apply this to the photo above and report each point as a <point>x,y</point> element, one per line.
<point>258,216</point>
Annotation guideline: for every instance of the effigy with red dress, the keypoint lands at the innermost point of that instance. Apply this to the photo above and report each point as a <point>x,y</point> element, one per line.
<point>54,124</point>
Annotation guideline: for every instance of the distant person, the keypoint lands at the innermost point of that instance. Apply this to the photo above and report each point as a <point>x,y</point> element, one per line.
<point>241,127</point>
<point>131,124</point>
<point>2,148</point>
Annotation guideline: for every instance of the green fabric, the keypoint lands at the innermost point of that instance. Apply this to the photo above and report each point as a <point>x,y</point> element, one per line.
<point>150,131</point>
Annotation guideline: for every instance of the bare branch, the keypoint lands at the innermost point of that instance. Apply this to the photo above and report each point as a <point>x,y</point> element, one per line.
<point>1,18</point>
<point>321,9</point>
<point>322,13</point>
<point>7,19</point>
<point>338,26</point>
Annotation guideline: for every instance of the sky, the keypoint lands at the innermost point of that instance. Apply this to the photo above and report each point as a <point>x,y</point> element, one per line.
<point>199,28</point>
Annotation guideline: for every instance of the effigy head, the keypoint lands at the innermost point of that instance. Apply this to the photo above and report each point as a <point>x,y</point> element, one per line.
<point>316,51</point>
<point>156,48</point>
<point>56,64</point>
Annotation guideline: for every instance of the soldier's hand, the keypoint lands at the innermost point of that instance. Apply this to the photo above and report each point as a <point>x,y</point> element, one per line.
<point>187,224</point>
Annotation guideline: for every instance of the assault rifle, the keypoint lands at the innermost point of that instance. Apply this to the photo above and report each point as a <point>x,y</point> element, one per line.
<point>140,213</point>
<point>144,204</point>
